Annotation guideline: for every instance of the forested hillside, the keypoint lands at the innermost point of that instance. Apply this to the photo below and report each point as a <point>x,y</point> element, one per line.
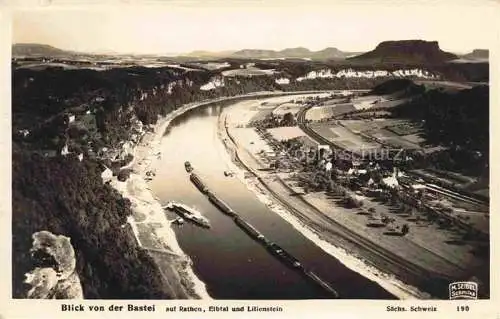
<point>67,197</point>
<point>457,121</point>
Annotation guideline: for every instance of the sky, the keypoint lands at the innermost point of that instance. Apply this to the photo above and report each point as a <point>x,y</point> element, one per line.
<point>459,26</point>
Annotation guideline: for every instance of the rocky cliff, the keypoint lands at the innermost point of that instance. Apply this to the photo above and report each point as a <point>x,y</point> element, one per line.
<point>54,275</point>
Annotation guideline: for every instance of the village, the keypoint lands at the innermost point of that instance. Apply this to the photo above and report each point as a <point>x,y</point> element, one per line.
<point>377,180</point>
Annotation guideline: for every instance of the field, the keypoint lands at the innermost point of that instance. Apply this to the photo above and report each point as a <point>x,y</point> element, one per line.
<point>400,142</point>
<point>319,113</point>
<point>286,133</point>
<point>355,135</point>
<point>212,65</point>
<point>403,128</point>
<point>247,72</point>
<point>365,102</point>
<point>261,114</point>
<point>343,137</point>
<point>382,130</point>
<point>336,107</point>
<point>414,138</point>
<point>44,66</point>
<point>287,108</point>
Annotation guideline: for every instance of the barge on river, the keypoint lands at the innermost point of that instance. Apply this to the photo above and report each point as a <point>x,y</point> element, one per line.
<point>188,213</point>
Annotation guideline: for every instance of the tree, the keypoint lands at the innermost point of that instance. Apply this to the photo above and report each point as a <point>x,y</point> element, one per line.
<point>288,119</point>
<point>405,229</point>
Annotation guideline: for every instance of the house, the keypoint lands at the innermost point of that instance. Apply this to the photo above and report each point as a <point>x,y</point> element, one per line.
<point>24,133</point>
<point>65,150</point>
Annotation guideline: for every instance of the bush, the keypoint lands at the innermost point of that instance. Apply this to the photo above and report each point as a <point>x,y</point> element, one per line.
<point>123,175</point>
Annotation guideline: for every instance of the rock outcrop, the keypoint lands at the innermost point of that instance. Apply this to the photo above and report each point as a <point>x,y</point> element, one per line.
<point>54,276</point>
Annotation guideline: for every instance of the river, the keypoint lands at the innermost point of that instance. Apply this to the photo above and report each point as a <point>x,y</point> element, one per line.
<point>227,260</point>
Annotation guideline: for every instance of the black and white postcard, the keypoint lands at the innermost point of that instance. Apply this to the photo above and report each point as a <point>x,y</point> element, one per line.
<point>248,158</point>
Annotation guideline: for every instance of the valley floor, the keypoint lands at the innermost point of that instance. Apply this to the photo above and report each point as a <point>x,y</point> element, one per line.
<point>427,258</point>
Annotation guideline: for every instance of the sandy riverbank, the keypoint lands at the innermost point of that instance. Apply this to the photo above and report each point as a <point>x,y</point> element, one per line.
<point>397,265</point>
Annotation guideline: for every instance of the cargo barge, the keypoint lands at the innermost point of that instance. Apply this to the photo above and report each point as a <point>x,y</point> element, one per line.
<point>284,256</point>
<point>188,213</point>
<point>249,229</point>
<point>195,179</point>
<point>220,204</point>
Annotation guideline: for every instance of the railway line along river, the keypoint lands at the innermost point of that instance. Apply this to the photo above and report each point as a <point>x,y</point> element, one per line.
<point>230,263</point>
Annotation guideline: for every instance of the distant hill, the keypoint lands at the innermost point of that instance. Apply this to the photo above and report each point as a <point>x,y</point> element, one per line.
<point>477,54</point>
<point>35,49</point>
<point>38,50</point>
<point>255,54</point>
<point>290,53</point>
<point>331,53</point>
<point>207,54</point>
<point>299,52</point>
<point>406,51</point>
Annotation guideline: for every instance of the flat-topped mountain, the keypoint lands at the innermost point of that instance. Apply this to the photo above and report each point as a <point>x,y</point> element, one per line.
<point>406,51</point>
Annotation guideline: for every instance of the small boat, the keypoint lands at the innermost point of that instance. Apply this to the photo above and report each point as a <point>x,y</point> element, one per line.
<point>188,167</point>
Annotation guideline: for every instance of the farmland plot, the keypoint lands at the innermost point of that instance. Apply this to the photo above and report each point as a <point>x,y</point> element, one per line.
<point>287,108</point>
<point>343,137</point>
<point>319,113</point>
<point>286,132</point>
